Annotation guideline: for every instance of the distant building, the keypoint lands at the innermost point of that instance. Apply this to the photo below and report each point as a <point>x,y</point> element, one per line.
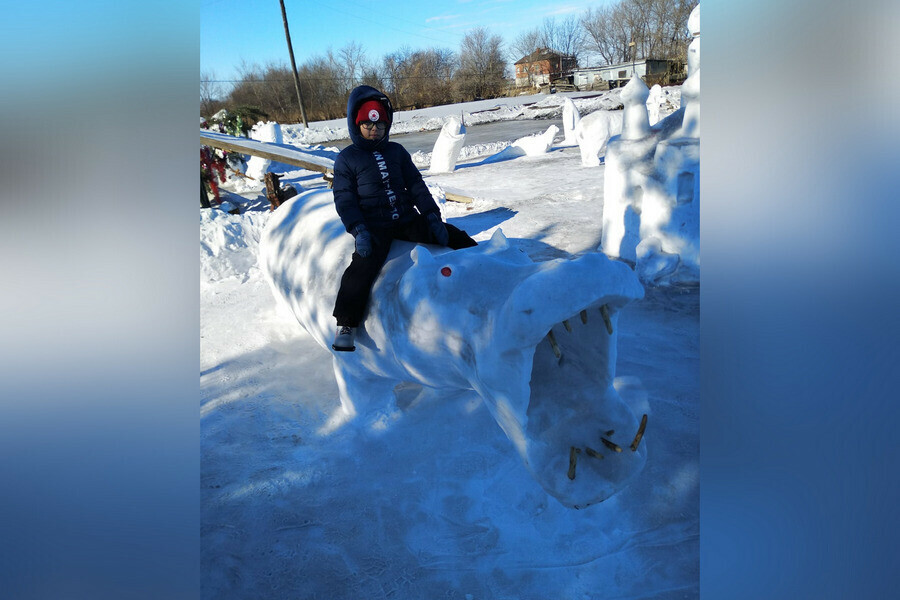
<point>651,70</point>
<point>542,67</point>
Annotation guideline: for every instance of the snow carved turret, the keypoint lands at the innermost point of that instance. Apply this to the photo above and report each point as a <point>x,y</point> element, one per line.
<point>653,101</point>
<point>690,90</point>
<point>570,117</point>
<point>651,211</point>
<point>636,120</point>
<point>448,146</point>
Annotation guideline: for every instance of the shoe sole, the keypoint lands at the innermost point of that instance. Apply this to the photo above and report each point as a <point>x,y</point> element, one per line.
<point>343,348</point>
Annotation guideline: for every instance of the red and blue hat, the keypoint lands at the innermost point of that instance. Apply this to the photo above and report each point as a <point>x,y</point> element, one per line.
<point>372,110</point>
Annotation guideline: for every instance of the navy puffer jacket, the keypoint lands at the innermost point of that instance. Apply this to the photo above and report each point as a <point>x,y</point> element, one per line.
<point>376,182</point>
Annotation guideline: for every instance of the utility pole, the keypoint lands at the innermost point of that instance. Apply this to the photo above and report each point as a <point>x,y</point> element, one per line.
<point>633,56</point>
<point>287,34</point>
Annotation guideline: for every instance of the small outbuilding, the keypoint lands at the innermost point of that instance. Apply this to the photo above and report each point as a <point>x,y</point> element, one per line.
<point>651,70</point>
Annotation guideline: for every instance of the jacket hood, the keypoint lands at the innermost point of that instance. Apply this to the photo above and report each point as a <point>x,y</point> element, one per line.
<point>359,95</point>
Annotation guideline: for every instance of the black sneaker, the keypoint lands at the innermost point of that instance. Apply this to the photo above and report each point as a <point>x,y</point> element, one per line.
<point>343,340</point>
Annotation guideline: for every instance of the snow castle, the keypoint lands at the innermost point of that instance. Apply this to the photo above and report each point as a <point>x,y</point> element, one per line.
<point>651,212</point>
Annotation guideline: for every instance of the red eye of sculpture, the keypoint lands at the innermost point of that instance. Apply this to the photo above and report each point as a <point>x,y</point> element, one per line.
<point>446,271</point>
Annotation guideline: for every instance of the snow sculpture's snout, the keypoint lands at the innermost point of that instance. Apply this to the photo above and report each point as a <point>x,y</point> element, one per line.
<point>537,341</point>
<point>549,378</point>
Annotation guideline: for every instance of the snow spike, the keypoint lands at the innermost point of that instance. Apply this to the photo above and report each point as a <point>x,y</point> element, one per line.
<point>422,255</point>
<point>498,241</point>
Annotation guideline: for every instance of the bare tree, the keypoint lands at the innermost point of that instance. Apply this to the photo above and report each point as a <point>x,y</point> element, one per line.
<point>658,29</point>
<point>598,24</point>
<point>565,37</point>
<point>372,76</point>
<point>481,65</point>
<point>353,62</point>
<point>210,94</point>
<point>394,69</point>
<point>323,82</point>
<point>525,44</point>
<point>431,72</point>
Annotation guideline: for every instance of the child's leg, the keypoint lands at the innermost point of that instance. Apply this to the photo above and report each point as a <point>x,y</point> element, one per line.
<point>459,238</point>
<point>419,232</point>
<point>357,282</point>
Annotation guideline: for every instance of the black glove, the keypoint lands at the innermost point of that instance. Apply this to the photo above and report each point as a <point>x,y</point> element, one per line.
<point>363,240</point>
<point>438,230</point>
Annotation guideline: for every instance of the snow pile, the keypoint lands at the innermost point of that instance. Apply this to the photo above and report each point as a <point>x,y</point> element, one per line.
<point>263,132</point>
<point>651,216</point>
<point>228,244</point>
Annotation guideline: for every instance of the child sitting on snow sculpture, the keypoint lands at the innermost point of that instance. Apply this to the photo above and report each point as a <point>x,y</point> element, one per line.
<point>380,196</point>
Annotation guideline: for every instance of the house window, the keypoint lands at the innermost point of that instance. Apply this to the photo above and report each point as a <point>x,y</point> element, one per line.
<point>622,74</point>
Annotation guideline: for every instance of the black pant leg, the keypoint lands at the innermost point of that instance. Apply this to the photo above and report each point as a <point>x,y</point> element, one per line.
<point>419,231</point>
<point>357,282</point>
<point>459,238</point>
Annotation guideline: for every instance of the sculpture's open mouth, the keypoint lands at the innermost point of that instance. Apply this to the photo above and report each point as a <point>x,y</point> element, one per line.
<point>553,393</point>
<point>585,441</point>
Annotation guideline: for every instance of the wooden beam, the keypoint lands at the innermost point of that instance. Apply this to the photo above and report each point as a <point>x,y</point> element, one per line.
<point>288,155</point>
<point>295,157</point>
<point>458,198</point>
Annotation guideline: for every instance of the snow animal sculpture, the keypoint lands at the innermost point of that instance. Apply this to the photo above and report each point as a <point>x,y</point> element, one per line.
<point>448,146</point>
<point>570,118</point>
<point>592,132</point>
<point>529,338</point>
<point>540,143</point>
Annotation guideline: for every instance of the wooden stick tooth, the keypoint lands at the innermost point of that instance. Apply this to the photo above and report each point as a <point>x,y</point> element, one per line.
<point>573,458</point>
<point>611,445</point>
<point>591,452</point>
<point>553,344</point>
<point>604,311</point>
<point>640,433</point>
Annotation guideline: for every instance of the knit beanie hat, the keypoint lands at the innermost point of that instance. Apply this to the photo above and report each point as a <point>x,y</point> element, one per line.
<point>372,110</point>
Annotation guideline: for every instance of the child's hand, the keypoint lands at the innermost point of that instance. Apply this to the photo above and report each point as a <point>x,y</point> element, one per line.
<point>438,230</point>
<point>363,241</point>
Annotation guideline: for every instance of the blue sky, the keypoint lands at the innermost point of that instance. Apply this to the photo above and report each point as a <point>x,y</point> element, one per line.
<point>232,31</point>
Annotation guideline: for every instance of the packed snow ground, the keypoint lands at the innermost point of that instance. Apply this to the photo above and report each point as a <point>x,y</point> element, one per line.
<point>437,505</point>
